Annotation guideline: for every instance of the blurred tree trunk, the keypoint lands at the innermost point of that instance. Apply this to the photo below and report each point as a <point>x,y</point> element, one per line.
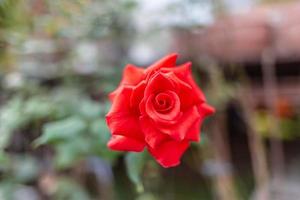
<point>268,61</point>
<point>223,180</point>
<point>270,98</point>
<point>256,145</point>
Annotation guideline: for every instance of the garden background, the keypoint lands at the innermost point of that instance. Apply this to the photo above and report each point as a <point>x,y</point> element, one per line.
<point>60,58</point>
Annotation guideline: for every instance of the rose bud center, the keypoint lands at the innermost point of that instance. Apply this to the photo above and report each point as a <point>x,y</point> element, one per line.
<point>164,105</point>
<point>163,102</point>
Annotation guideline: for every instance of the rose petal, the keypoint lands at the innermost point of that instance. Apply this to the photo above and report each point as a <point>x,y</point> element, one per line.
<point>122,143</point>
<point>152,136</point>
<point>185,91</point>
<point>206,110</point>
<point>168,154</point>
<point>137,94</point>
<point>179,82</point>
<point>184,73</point>
<point>124,124</point>
<point>193,134</point>
<point>114,93</point>
<point>197,91</point>
<point>163,117</point>
<point>132,75</point>
<point>167,61</point>
<point>181,71</point>
<point>158,83</point>
<point>121,119</point>
<point>189,92</point>
<point>142,107</point>
<point>122,100</point>
<point>180,129</point>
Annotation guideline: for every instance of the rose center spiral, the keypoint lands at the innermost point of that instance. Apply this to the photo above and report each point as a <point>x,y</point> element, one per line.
<point>163,106</point>
<point>163,102</point>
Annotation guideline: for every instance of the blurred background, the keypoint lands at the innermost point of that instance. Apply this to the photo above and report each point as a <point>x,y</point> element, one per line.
<point>60,58</point>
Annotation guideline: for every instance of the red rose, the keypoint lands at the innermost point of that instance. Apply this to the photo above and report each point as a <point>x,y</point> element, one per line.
<point>160,108</point>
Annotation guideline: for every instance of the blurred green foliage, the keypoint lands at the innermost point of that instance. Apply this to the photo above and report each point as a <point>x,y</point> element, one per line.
<point>13,17</point>
<point>135,163</point>
<point>75,127</point>
<point>289,127</point>
<point>57,123</point>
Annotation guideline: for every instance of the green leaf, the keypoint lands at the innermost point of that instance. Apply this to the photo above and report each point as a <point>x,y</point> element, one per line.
<point>4,137</point>
<point>4,161</point>
<point>37,108</point>
<point>109,156</point>
<point>90,109</point>
<point>10,119</point>
<point>68,188</point>
<point>99,129</point>
<point>10,114</point>
<point>7,189</point>
<point>134,165</point>
<point>61,130</point>
<point>69,152</point>
<point>204,139</point>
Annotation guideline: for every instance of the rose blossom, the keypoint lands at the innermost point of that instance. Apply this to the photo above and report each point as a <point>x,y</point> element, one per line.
<point>160,108</point>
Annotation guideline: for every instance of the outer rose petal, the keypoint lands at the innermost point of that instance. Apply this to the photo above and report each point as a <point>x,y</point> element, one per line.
<point>120,119</point>
<point>153,137</point>
<point>167,61</point>
<point>137,94</point>
<point>121,103</point>
<point>206,110</point>
<point>122,143</point>
<point>193,133</point>
<point>168,154</point>
<point>195,87</point>
<point>181,71</point>
<point>124,124</point>
<point>112,95</point>
<point>132,75</point>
